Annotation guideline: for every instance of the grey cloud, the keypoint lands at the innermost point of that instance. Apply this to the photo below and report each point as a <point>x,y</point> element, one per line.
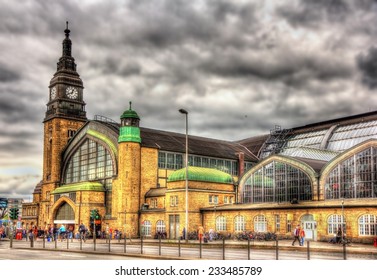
<point>310,13</point>
<point>367,64</point>
<point>8,75</point>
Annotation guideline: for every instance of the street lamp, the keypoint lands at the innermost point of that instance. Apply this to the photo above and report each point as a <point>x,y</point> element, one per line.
<point>183,111</point>
<point>343,221</point>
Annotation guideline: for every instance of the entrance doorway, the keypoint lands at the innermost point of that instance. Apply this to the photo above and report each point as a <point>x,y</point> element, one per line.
<point>310,227</point>
<point>174,227</point>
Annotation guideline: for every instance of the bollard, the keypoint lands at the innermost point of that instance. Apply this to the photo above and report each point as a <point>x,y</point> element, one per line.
<point>200,248</point>
<point>159,245</point>
<point>179,247</point>
<point>308,249</point>
<point>67,241</point>
<point>125,243</point>
<point>81,235</point>
<point>277,249</point>
<point>141,244</point>
<point>31,242</point>
<point>44,241</point>
<point>223,248</point>
<point>11,240</point>
<point>248,248</point>
<point>344,251</point>
<point>109,242</point>
<point>56,241</point>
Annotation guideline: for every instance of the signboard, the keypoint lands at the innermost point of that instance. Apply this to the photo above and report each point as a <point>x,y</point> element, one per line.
<point>3,203</point>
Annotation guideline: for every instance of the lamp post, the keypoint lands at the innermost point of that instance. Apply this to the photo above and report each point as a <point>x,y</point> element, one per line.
<point>183,111</point>
<point>343,221</point>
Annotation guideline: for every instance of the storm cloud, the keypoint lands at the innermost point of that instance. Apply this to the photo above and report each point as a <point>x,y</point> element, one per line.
<point>238,67</point>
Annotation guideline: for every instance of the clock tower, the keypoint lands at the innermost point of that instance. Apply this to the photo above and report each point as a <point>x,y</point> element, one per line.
<point>65,113</point>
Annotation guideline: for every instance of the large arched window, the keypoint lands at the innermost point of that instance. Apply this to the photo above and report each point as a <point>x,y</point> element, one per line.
<point>368,225</point>
<point>91,161</point>
<point>334,222</point>
<point>239,223</point>
<point>65,212</point>
<point>355,177</point>
<point>277,182</point>
<point>220,223</point>
<point>260,223</point>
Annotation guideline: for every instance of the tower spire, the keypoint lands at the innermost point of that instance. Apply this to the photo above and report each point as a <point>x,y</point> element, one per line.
<point>67,44</point>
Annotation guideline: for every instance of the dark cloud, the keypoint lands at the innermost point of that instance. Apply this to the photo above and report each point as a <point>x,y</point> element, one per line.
<point>309,13</point>
<point>367,64</point>
<point>238,67</point>
<point>8,75</point>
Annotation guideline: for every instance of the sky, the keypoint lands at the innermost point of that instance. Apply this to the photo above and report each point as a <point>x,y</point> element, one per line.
<point>238,67</point>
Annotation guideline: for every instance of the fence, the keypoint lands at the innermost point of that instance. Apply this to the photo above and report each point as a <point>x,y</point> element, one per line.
<point>223,249</point>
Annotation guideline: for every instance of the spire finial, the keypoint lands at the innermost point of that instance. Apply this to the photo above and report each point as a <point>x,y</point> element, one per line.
<point>130,104</point>
<point>66,31</point>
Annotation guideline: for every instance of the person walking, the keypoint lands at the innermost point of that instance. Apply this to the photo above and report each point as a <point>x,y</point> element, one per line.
<point>339,235</point>
<point>200,232</point>
<point>302,236</point>
<point>62,232</point>
<point>296,235</point>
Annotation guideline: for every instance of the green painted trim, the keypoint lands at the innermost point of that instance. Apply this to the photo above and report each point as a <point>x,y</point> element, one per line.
<point>104,138</point>
<point>201,174</point>
<point>129,134</point>
<point>82,186</point>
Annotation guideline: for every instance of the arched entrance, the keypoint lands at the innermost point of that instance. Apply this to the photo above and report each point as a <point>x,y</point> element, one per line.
<point>65,215</point>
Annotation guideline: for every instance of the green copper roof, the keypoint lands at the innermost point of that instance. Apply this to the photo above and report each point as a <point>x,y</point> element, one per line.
<point>201,174</point>
<point>129,114</point>
<point>129,134</point>
<point>82,186</point>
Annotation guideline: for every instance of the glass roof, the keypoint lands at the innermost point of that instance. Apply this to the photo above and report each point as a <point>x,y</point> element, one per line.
<point>342,138</point>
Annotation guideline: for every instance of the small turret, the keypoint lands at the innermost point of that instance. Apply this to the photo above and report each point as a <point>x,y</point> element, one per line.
<point>129,130</point>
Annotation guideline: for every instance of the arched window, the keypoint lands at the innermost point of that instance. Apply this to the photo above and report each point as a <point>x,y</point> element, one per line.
<point>355,177</point>
<point>277,182</point>
<point>220,223</point>
<point>65,212</point>
<point>334,222</point>
<point>146,228</point>
<point>92,162</point>
<point>368,225</point>
<point>160,226</point>
<point>260,223</point>
<point>239,223</point>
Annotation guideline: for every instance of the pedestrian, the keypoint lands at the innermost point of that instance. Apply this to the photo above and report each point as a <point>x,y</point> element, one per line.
<point>211,233</point>
<point>82,230</point>
<point>302,236</point>
<point>62,232</point>
<point>296,235</point>
<point>184,234</point>
<point>200,232</point>
<point>339,235</point>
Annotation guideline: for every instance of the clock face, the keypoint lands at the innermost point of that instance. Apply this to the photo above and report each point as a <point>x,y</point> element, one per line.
<point>72,92</point>
<point>53,93</point>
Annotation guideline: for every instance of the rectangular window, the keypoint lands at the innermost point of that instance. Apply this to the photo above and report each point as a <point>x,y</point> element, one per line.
<point>289,226</point>
<point>213,199</point>
<point>277,223</point>
<point>174,200</point>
